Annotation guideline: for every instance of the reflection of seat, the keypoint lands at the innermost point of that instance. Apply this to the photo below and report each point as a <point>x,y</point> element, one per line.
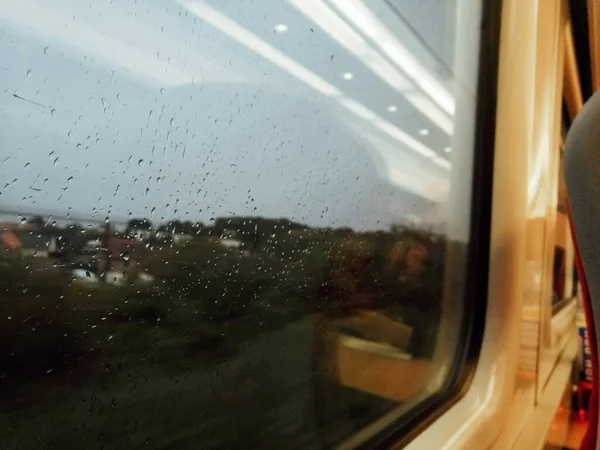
<point>392,375</point>
<point>582,177</point>
<point>353,368</point>
<point>377,327</point>
<point>371,356</point>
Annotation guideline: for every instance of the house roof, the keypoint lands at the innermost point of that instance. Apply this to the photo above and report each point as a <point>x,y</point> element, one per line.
<point>9,240</point>
<point>19,239</point>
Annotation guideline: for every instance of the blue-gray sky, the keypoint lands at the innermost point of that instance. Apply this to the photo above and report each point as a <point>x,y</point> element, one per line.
<point>193,109</point>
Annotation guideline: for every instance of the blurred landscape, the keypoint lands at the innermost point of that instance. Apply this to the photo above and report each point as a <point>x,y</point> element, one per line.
<point>173,335</point>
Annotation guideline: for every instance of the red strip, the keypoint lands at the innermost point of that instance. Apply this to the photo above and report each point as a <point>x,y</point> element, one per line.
<point>591,435</point>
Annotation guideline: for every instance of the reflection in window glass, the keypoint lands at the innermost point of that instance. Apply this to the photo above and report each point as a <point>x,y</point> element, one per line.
<point>558,275</point>
<point>228,224</point>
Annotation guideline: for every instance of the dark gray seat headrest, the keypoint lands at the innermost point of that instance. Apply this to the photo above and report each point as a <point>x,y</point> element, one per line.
<point>582,178</point>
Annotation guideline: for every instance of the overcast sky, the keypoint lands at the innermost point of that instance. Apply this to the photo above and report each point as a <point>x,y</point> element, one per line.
<point>193,110</point>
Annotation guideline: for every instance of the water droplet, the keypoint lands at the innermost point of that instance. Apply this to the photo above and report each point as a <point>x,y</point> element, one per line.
<point>140,162</point>
<point>23,220</point>
<point>52,111</point>
<point>46,50</point>
<point>26,165</point>
<point>70,134</point>
<point>69,179</point>
<point>28,73</point>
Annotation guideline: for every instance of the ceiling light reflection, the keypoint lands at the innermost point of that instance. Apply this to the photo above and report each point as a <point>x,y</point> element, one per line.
<point>422,178</point>
<point>336,27</point>
<point>340,30</point>
<point>425,105</point>
<point>284,62</point>
<point>365,20</point>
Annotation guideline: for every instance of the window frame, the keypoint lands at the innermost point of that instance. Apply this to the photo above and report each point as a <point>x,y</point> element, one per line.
<point>462,371</point>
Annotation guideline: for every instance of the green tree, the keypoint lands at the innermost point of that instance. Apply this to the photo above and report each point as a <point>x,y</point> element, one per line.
<point>138,224</point>
<point>37,222</point>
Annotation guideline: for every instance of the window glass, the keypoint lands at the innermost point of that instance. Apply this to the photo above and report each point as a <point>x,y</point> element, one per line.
<point>230,224</point>
<point>558,275</point>
<point>562,280</point>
